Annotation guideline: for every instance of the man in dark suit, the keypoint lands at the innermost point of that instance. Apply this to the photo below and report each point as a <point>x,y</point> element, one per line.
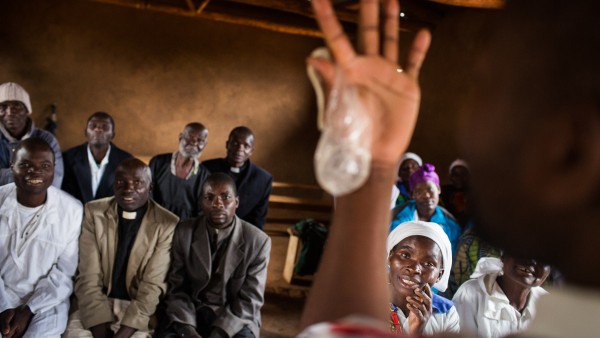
<point>253,183</point>
<point>90,167</point>
<point>218,270</point>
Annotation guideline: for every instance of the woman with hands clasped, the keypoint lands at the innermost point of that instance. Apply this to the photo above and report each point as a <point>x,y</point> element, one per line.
<point>420,257</point>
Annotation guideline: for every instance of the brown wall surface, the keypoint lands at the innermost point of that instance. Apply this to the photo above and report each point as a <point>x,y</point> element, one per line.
<point>155,72</point>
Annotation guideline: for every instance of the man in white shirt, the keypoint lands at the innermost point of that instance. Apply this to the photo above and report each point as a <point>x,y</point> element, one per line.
<point>90,167</point>
<point>39,233</point>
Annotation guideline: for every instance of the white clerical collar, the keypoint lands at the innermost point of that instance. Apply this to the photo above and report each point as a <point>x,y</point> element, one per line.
<point>234,170</point>
<point>129,214</point>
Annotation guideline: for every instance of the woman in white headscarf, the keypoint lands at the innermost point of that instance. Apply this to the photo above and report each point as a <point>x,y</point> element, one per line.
<point>420,257</point>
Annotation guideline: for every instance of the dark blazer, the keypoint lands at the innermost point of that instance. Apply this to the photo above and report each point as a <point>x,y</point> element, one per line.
<point>245,273</point>
<point>254,185</point>
<point>78,178</point>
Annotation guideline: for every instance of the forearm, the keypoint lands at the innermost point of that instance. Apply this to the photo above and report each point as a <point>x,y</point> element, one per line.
<point>352,276</point>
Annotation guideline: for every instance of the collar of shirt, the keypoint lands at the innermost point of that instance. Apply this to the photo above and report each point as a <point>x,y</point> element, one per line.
<point>97,170</point>
<point>192,172</point>
<point>11,139</point>
<point>222,234</point>
<point>498,306</point>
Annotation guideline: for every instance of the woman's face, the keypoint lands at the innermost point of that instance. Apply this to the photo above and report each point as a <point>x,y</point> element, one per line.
<point>414,262</point>
<point>525,272</point>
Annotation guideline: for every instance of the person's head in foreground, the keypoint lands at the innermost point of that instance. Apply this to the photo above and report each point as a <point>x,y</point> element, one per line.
<point>419,258</point>
<point>425,187</point>
<point>541,110</point>
<point>219,200</point>
<point>133,184</point>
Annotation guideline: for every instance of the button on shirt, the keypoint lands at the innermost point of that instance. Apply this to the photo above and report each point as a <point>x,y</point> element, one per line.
<point>97,170</point>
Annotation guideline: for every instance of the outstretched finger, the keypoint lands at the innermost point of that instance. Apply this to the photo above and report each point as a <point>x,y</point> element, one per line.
<point>368,35</point>
<point>390,31</point>
<point>417,53</point>
<point>336,39</point>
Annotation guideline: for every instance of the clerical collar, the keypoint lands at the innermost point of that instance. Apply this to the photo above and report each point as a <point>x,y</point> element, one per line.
<point>237,170</point>
<point>132,215</point>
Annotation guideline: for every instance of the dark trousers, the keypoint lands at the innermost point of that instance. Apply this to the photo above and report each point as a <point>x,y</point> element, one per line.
<point>204,320</point>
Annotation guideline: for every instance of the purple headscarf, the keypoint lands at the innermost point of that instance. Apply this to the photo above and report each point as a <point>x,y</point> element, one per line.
<point>424,174</point>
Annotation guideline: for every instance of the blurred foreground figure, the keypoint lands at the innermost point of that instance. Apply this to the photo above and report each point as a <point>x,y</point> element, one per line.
<point>541,108</point>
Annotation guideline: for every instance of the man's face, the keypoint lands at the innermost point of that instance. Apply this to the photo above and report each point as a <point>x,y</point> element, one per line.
<point>426,195</point>
<point>132,186</point>
<point>219,204</point>
<point>99,131</point>
<point>192,142</point>
<point>13,115</point>
<point>407,168</point>
<point>33,171</point>
<point>414,262</point>
<point>239,148</point>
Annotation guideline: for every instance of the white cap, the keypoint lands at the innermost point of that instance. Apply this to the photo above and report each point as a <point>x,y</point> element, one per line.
<point>11,91</point>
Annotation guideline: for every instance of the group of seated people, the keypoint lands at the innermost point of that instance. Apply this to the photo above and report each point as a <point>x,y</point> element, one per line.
<point>170,249</point>
<point>432,258</point>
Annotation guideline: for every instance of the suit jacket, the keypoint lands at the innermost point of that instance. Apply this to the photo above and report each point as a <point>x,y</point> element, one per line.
<point>78,177</point>
<point>245,273</point>
<point>254,185</point>
<point>146,269</point>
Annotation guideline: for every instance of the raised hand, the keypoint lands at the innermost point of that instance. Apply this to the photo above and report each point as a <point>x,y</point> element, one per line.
<point>390,97</point>
<point>420,309</point>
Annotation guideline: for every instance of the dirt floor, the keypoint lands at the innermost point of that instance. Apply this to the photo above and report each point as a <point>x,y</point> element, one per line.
<point>283,301</point>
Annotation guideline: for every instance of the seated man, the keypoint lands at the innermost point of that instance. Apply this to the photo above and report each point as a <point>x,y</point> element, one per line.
<point>218,271</point>
<point>16,126</point>
<point>125,245</point>
<point>90,167</point>
<point>177,177</point>
<point>253,183</point>
<point>39,237</point>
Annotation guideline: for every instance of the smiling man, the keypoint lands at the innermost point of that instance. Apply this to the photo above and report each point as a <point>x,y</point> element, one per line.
<point>253,183</point>
<point>39,232</point>
<point>90,167</point>
<point>125,245</point>
<point>218,271</point>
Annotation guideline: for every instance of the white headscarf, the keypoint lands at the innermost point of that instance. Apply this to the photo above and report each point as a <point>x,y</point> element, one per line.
<point>411,156</point>
<point>458,163</point>
<point>432,231</point>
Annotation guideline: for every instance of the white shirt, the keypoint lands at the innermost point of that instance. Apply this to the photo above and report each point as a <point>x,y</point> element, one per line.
<point>567,312</point>
<point>97,170</point>
<point>485,310</point>
<point>41,274</point>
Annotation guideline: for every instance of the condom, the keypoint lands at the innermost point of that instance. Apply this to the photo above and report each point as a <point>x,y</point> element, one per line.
<point>343,155</point>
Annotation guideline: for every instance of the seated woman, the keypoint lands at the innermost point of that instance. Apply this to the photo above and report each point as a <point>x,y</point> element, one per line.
<point>501,298</point>
<point>425,187</point>
<point>420,257</point>
<point>409,163</point>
